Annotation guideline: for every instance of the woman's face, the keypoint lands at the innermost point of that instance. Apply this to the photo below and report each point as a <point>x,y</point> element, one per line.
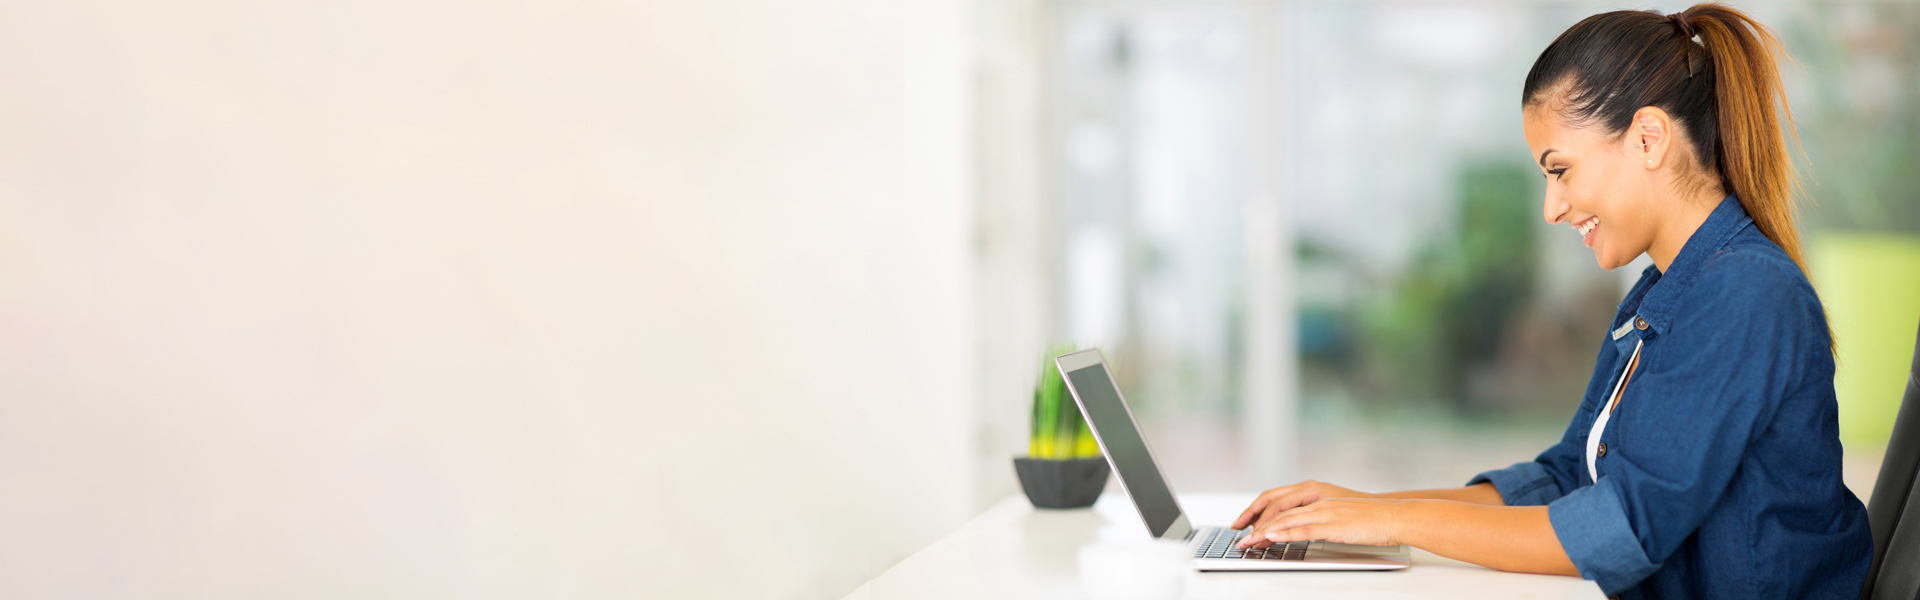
<point>1596,184</point>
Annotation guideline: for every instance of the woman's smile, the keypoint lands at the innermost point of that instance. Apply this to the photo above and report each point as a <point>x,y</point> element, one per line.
<point>1586,229</point>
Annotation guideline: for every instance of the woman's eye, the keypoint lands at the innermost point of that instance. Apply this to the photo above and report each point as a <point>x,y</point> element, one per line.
<point>1556,173</point>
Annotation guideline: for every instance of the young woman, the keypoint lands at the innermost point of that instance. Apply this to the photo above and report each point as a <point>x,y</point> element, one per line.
<point>1704,460</point>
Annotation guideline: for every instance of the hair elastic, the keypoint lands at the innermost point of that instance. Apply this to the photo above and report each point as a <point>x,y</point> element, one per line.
<point>1686,29</point>
<point>1680,18</point>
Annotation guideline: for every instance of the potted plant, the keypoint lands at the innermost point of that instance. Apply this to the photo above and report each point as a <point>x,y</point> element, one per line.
<point>1063,467</point>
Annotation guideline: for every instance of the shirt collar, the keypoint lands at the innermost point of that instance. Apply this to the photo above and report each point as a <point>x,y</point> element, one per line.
<point>1727,219</point>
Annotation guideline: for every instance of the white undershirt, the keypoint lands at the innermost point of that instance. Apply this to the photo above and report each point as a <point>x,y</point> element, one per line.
<point>1600,424</point>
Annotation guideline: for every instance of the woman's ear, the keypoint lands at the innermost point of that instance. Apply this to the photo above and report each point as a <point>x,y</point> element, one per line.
<point>1652,135</point>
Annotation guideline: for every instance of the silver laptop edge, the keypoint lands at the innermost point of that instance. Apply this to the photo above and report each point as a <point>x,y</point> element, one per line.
<point>1320,555</point>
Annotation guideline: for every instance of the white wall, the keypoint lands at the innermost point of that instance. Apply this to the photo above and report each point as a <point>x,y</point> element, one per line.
<point>457,299</point>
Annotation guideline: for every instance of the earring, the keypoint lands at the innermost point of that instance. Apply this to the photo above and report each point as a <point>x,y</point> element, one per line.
<point>1649,162</point>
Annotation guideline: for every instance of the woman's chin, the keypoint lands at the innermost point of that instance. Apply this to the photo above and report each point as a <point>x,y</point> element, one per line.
<point>1606,261</point>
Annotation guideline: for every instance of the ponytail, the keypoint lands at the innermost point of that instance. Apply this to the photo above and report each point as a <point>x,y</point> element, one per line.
<point>1753,161</point>
<point>1721,90</point>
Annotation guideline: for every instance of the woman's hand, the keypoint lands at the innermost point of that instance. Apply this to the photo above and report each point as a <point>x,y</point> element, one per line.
<point>1368,521</point>
<point>1285,498</point>
<point>1471,524</point>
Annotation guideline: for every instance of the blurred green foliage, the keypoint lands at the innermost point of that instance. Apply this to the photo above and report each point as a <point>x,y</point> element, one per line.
<point>1449,315</point>
<point>1059,431</point>
<point>1858,114</point>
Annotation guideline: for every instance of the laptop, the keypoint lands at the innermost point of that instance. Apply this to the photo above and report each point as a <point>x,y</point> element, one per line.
<point>1212,548</point>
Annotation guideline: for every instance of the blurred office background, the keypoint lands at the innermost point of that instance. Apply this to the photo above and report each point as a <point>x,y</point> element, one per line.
<point>1309,233</point>
<point>586,300</point>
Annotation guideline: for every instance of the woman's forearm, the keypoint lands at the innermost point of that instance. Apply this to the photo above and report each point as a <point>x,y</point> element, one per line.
<point>1507,538</point>
<point>1480,493</point>
<point>1281,499</point>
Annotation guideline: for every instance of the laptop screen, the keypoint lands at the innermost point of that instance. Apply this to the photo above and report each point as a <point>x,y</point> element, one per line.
<point>1108,416</point>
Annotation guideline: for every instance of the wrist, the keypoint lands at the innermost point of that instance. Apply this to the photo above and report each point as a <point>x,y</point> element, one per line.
<point>1406,518</point>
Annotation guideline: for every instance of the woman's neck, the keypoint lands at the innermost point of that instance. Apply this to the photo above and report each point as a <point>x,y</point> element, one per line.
<point>1678,226</point>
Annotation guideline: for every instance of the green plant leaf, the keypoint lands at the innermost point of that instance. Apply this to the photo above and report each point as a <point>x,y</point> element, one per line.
<point>1059,431</point>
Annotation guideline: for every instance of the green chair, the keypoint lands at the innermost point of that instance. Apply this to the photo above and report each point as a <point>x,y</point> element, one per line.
<point>1894,511</point>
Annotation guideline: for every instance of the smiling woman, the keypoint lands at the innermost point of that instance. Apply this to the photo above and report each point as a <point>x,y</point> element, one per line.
<point>1704,460</point>
<point>1692,120</point>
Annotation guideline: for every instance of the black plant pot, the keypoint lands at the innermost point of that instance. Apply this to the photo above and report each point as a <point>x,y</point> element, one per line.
<point>1072,483</point>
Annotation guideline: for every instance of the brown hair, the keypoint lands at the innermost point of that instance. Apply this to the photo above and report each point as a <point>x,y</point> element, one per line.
<point>1721,90</point>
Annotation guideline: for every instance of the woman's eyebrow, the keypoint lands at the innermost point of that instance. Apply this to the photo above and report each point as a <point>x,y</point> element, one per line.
<point>1543,157</point>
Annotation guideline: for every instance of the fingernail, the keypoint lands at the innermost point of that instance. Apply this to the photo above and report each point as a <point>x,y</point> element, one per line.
<point>1275,536</point>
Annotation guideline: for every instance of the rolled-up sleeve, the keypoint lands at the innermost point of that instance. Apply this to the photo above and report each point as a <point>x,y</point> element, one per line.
<point>1593,528</point>
<point>1523,484</point>
<point>1543,479</point>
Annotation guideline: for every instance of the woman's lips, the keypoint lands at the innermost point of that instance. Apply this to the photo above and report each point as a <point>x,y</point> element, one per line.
<point>1587,229</point>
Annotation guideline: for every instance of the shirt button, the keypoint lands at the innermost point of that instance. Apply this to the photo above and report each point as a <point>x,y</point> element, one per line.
<point>1639,323</point>
<point>1601,451</point>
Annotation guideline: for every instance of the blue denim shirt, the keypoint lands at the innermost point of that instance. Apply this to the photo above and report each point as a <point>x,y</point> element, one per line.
<point>1722,472</point>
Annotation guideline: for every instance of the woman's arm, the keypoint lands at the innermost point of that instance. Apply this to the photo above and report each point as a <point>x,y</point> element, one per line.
<point>1508,538</point>
<point>1479,493</point>
<point>1281,499</point>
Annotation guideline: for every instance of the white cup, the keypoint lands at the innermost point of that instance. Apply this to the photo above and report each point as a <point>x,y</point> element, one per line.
<point>1136,570</point>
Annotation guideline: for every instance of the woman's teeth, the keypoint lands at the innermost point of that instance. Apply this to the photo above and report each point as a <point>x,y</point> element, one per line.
<point>1587,227</point>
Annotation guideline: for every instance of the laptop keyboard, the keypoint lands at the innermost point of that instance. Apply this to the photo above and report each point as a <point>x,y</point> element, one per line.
<point>1218,542</point>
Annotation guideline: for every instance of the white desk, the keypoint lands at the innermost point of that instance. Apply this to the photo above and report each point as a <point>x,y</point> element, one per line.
<point>1015,551</point>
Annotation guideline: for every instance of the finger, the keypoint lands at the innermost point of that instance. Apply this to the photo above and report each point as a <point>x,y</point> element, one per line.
<point>1259,506</point>
<point>1291,500</point>
<point>1288,498</point>
<point>1256,540</point>
<point>1275,514</point>
<point>1252,511</point>
<point>1304,516</point>
<point>1296,534</point>
<point>1257,534</point>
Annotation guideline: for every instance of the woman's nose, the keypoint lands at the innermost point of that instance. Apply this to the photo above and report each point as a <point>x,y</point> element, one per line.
<point>1553,209</point>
